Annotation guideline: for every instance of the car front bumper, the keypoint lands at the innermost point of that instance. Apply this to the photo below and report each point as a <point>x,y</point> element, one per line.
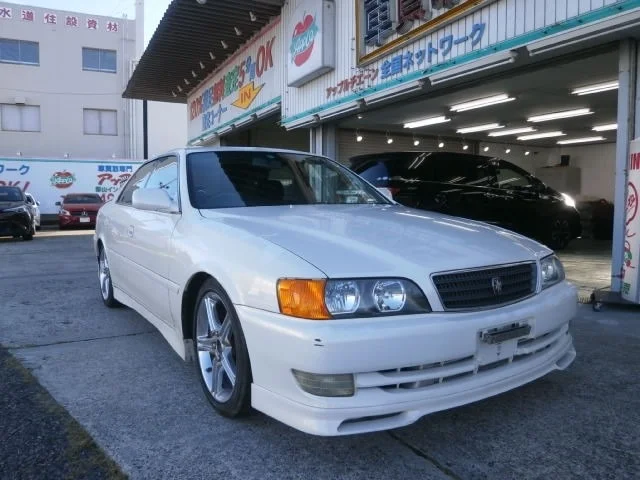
<point>14,224</point>
<point>75,220</point>
<point>404,367</point>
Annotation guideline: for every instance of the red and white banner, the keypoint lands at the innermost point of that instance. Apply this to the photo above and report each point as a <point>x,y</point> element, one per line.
<point>630,270</point>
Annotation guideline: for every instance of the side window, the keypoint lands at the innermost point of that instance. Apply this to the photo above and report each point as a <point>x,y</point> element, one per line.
<point>507,177</point>
<point>166,176</point>
<point>139,180</point>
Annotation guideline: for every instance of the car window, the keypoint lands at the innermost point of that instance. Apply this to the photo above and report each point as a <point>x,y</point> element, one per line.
<point>427,167</point>
<point>77,199</point>
<point>227,179</point>
<point>138,180</point>
<point>509,177</point>
<point>165,176</point>
<point>11,194</point>
<point>29,199</point>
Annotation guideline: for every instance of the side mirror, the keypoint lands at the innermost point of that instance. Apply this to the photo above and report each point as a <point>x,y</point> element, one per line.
<point>38,203</point>
<point>58,204</point>
<point>386,192</point>
<point>155,199</point>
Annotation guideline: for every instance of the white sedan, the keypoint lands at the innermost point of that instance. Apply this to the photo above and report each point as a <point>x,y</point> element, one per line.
<point>300,290</point>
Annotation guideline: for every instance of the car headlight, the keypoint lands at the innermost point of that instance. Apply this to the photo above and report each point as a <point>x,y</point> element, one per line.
<point>65,212</point>
<point>551,270</point>
<point>568,201</point>
<point>350,298</point>
<point>20,209</point>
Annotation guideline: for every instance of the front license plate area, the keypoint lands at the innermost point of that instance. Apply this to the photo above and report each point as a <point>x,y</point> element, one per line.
<point>85,219</point>
<point>500,343</point>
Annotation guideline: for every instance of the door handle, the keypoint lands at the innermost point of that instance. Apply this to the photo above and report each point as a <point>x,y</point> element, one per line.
<point>130,231</point>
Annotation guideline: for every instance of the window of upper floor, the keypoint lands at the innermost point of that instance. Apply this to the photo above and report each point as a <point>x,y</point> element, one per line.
<point>99,60</point>
<point>19,51</point>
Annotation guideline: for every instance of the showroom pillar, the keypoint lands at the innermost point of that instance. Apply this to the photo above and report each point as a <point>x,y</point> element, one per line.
<point>628,129</point>
<point>323,140</point>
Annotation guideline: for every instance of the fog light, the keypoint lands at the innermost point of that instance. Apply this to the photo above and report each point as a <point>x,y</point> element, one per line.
<point>340,385</point>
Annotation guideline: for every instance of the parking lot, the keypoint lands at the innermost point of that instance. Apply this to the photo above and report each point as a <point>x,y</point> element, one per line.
<point>117,376</point>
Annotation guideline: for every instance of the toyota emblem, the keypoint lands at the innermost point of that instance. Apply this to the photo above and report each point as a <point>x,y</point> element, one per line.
<point>496,284</point>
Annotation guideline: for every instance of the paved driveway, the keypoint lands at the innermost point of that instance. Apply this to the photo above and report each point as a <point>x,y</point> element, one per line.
<point>119,378</point>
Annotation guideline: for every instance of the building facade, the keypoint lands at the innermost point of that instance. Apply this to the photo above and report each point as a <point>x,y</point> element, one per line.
<point>61,80</point>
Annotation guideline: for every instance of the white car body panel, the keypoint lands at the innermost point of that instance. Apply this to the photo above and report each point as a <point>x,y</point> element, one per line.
<point>248,249</point>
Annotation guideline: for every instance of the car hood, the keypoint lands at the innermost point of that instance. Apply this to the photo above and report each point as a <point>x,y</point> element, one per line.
<point>4,205</point>
<point>348,240</point>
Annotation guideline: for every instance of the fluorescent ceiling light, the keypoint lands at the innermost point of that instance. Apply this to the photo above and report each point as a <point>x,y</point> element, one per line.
<point>512,131</point>
<point>580,140</point>
<point>536,136</point>
<point>480,128</point>
<point>597,88</point>
<point>565,114</point>
<point>605,128</point>
<point>427,121</point>
<point>482,102</point>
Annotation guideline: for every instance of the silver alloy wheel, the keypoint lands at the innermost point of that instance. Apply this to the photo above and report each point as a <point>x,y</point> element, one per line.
<point>215,347</point>
<point>103,274</point>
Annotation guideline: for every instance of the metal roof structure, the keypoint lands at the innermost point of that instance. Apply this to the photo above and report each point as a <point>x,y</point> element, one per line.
<point>192,40</point>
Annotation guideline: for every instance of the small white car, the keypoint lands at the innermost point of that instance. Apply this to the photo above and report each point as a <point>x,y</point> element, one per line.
<point>302,291</point>
<point>35,208</point>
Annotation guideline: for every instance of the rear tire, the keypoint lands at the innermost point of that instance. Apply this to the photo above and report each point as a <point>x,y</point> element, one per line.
<point>222,359</point>
<point>104,277</point>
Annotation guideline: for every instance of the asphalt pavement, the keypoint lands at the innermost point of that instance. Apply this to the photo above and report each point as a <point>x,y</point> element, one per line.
<point>115,374</point>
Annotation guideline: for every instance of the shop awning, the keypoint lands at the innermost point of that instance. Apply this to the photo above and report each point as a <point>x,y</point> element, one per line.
<point>179,55</point>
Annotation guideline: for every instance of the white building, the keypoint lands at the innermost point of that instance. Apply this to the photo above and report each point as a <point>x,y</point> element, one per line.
<point>62,75</point>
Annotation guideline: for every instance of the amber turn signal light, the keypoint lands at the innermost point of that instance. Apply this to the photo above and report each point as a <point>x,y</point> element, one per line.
<point>302,298</point>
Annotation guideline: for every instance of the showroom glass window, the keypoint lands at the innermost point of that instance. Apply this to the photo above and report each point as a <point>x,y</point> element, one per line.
<point>165,176</point>
<point>99,60</point>
<point>138,180</point>
<point>19,51</point>
<point>252,179</point>
<point>19,118</point>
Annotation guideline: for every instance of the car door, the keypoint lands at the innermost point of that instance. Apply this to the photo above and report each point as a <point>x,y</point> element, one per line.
<point>122,264</point>
<point>149,235</point>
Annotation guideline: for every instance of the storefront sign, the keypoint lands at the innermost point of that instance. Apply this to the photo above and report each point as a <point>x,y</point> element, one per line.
<point>49,180</point>
<point>384,26</point>
<point>630,265</point>
<point>246,81</point>
<point>311,35</point>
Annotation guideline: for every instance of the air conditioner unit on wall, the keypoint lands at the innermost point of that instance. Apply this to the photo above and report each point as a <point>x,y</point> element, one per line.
<point>563,179</point>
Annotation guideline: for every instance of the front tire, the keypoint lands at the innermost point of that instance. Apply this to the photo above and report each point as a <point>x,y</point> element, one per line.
<point>222,359</point>
<point>32,232</point>
<point>104,277</point>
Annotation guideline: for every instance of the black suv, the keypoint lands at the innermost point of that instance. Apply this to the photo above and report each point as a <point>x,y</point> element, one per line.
<point>16,217</point>
<point>482,188</point>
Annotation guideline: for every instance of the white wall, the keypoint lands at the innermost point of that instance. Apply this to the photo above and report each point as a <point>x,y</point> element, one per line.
<point>597,165</point>
<point>167,126</point>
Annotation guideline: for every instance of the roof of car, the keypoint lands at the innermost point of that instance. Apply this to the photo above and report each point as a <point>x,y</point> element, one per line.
<point>231,149</point>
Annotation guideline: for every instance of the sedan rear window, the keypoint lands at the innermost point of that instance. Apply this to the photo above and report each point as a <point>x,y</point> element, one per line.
<point>256,178</point>
<point>11,194</point>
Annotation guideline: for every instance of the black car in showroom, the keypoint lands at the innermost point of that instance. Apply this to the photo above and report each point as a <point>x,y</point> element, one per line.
<point>16,217</point>
<point>478,187</point>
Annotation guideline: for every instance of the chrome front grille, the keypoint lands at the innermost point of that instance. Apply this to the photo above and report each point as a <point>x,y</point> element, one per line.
<point>486,287</point>
<point>456,370</point>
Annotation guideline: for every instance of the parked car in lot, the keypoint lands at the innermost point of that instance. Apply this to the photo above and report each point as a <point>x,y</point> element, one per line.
<point>301,290</point>
<point>79,209</point>
<point>35,208</point>
<point>476,187</point>
<point>16,217</point>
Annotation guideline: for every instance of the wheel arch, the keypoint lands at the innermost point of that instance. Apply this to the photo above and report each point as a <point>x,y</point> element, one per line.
<point>188,301</point>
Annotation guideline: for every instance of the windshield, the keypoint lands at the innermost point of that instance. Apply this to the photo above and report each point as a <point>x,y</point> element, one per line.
<point>255,179</point>
<point>11,194</point>
<point>71,199</point>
